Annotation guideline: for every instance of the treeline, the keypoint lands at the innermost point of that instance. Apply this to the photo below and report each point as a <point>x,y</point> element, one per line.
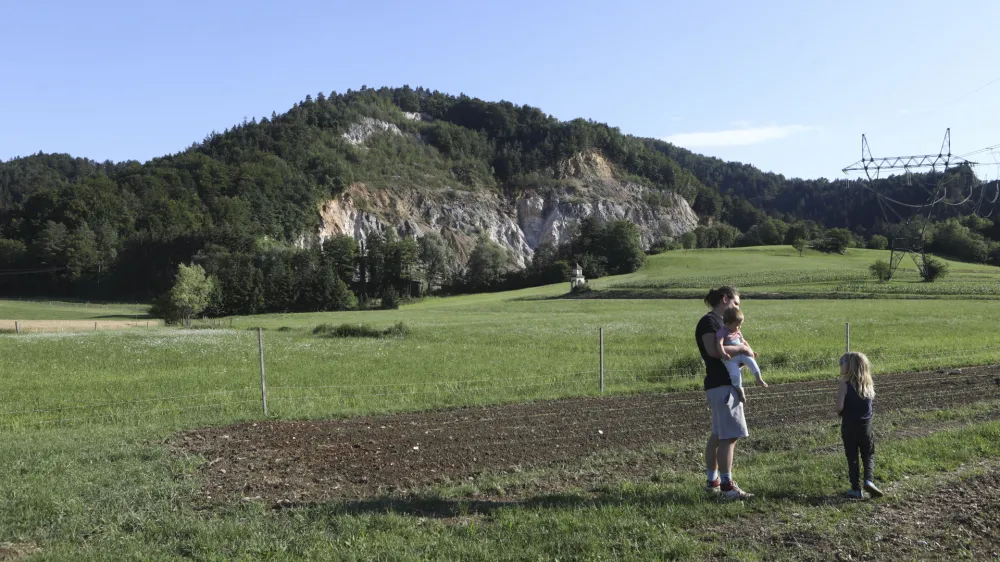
<point>381,272</point>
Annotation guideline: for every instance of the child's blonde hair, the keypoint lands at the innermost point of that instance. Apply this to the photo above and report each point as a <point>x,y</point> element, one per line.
<point>732,316</point>
<point>859,373</point>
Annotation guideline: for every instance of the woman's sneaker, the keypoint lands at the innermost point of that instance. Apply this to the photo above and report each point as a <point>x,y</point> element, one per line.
<point>854,494</point>
<point>712,486</point>
<point>731,491</point>
<point>872,489</point>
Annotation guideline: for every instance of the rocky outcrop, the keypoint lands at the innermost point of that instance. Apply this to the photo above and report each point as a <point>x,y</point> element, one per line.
<point>586,186</point>
<point>359,133</point>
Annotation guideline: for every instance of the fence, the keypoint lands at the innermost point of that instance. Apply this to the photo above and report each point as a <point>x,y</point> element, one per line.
<point>250,401</point>
<point>39,326</point>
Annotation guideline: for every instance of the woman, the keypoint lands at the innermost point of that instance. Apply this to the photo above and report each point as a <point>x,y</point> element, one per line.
<point>728,423</point>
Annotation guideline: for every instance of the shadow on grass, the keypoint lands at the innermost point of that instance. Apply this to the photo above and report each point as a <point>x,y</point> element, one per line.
<point>653,294</point>
<point>123,317</point>
<point>449,508</point>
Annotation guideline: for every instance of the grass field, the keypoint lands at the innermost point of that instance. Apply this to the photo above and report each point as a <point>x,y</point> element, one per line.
<point>83,415</point>
<point>781,270</point>
<point>67,310</point>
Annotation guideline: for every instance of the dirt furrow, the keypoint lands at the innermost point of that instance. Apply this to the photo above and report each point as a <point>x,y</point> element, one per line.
<point>374,455</point>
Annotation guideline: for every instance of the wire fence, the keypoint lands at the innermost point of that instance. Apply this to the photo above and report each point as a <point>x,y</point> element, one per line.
<point>282,399</point>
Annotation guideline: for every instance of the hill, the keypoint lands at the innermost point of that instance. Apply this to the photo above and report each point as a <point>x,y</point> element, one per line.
<point>405,160</point>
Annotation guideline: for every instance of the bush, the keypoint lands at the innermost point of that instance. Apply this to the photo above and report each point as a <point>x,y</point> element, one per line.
<point>880,270</point>
<point>934,269</point>
<point>878,242</point>
<point>664,245</point>
<point>361,331</point>
<point>397,330</point>
<point>955,240</point>
<point>390,299</point>
<point>836,241</point>
<point>580,289</point>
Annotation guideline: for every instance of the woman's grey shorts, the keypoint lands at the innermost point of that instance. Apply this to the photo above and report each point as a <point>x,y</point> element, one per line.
<point>727,413</point>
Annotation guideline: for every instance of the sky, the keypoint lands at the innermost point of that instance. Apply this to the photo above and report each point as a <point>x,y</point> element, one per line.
<point>786,86</point>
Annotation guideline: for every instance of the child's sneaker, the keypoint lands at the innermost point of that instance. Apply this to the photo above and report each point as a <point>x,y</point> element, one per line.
<point>872,489</point>
<point>854,494</point>
<point>712,486</point>
<point>731,491</point>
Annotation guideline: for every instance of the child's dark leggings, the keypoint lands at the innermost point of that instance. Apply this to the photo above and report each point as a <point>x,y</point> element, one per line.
<point>858,438</point>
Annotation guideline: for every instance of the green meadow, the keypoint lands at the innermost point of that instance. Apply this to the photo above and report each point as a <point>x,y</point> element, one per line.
<point>83,415</point>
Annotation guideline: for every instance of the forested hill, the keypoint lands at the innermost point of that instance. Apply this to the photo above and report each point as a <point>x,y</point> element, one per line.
<point>130,224</point>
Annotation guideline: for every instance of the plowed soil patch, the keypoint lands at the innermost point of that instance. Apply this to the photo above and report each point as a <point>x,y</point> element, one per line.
<point>375,455</point>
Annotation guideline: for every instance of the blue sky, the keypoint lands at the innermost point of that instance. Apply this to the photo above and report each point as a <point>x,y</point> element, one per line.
<point>786,86</point>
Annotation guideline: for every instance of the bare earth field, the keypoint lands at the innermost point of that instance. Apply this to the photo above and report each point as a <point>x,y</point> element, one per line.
<point>32,326</point>
<point>315,461</point>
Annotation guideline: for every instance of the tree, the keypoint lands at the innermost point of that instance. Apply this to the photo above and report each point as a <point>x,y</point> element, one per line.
<point>436,257</point>
<point>341,251</point>
<point>191,293</point>
<point>51,244</point>
<point>373,266</point>
<point>707,236</point>
<point>952,238</point>
<point>590,237</point>
<point>799,244</point>
<point>486,266</point>
<point>801,229</point>
<point>622,247</point>
<point>772,232</point>
<point>402,260</point>
<point>836,241</point>
<point>11,252</point>
<point>329,292</point>
<point>707,204</point>
<point>878,242</point>
<point>280,293</point>
<point>108,243</point>
<point>725,234</point>
<point>82,252</point>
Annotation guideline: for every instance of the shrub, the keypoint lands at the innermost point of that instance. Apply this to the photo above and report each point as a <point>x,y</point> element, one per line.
<point>580,289</point>
<point>390,299</point>
<point>836,241</point>
<point>934,269</point>
<point>878,242</point>
<point>880,270</point>
<point>664,245</point>
<point>361,331</point>
<point>397,330</point>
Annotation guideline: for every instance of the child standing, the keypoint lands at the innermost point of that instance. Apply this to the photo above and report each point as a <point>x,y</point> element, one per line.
<point>730,335</point>
<point>854,405</point>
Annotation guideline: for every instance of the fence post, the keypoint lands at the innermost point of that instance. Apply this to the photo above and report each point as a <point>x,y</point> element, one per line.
<point>263,385</point>
<point>602,359</point>
<point>848,337</point>
<point>17,327</point>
